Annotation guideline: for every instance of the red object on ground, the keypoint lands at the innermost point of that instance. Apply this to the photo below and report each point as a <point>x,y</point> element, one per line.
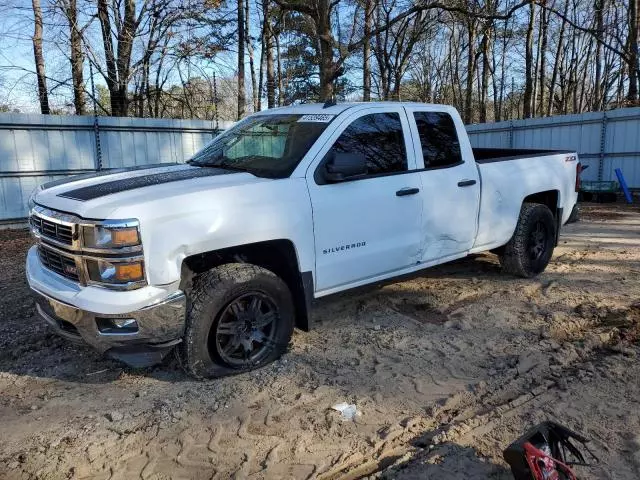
<point>543,466</point>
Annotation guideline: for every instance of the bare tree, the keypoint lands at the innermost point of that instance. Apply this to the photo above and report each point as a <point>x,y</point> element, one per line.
<point>118,61</point>
<point>528,87</point>
<point>268,48</point>
<point>241,45</point>
<point>254,83</point>
<point>43,94</point>
<point>369,8</point>
<point>70,11</point>
<point>634,27</point>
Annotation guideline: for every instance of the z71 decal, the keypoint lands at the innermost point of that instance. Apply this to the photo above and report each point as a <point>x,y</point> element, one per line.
<point>342,248</point>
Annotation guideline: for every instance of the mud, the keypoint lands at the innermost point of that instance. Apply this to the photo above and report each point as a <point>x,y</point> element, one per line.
<point>446,369</point>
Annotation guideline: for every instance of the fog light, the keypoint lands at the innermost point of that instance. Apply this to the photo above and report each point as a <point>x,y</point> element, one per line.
<point>116,325</point>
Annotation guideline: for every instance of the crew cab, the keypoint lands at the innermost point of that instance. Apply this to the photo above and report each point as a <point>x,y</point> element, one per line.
<point>221,257</point>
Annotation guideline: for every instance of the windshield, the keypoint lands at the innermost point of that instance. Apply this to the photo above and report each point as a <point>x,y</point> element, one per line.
<point>264,145</point>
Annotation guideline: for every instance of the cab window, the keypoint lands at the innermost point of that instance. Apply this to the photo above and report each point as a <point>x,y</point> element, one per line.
<point>379,138</point>
<point>438,138</point>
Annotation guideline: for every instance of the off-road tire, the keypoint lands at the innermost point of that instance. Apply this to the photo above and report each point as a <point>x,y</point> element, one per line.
<point>212,292</point>
<point>516,258</point>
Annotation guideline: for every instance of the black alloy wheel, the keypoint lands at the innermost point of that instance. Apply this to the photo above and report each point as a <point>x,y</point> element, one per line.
<point>239,317</point>
<point>246,329</point>
<point>538,241</point>
<point>529,250</point>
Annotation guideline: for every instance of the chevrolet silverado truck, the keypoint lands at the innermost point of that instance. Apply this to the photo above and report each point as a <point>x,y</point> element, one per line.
<point>221,257</point>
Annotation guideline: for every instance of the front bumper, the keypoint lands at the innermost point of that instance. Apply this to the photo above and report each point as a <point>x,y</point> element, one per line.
<point>160,323</point>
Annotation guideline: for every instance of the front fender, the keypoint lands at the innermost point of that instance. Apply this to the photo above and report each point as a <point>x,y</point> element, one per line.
<point>178,227</point>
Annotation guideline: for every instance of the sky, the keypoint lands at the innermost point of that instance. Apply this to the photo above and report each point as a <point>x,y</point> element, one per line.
<point>18,88</point>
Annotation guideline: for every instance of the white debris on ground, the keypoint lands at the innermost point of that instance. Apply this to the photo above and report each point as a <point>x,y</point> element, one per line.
<point>347,411</point>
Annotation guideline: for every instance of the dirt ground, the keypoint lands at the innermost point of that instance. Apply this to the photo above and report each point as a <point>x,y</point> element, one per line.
<point>446,370</point>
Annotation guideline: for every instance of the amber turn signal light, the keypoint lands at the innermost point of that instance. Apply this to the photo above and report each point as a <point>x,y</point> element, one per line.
<point>129,272</point>
<point>124,236</point>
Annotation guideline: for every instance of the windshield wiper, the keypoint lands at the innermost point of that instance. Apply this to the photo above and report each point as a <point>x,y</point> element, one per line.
<point>231,166</point>
<point>227,165</point>
<point>222,164</point>
<point>197,164</point>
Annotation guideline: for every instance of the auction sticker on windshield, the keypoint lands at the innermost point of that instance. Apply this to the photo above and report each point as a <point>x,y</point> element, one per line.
<point>317,117</point>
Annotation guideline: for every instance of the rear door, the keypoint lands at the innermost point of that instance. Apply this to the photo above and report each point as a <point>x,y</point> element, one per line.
<point>449,181</point>
<point>369,226</point>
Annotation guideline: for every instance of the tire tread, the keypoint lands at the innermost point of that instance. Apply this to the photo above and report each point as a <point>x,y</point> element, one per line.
<point>514,254</point>
<point>204,284</point>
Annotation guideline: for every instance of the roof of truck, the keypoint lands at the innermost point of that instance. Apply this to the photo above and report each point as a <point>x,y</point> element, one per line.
<point>318,108</point>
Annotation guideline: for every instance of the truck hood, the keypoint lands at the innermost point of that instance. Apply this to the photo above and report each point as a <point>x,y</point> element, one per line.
<point>100,195</point>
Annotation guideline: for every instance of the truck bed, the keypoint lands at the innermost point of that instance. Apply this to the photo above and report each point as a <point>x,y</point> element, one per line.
<point>489,155</point>
<point>510,175</point>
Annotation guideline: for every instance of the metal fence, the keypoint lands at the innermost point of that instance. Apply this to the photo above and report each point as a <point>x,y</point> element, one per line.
<point>35,149</point>
<point>604,140</point>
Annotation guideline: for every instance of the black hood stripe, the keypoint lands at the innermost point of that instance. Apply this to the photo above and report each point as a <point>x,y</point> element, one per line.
<point>86,176</point>
<point>116,186</point>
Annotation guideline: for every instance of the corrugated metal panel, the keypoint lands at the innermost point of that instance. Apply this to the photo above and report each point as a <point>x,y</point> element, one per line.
<point>35,149</point>
<point>612,137</point>
<point>15,191</point>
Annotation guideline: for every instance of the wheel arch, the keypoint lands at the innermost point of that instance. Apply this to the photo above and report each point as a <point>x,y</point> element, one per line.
<point>278,256</point>
<point>551,199</point>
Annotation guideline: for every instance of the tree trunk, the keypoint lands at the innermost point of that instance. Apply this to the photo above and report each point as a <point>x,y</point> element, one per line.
<point>77,58</point>
<point>366,51</point>
<point>634,21</point>
<point>397,81</point>
<point>43,94</point>
<point>254,87</point>
<point>280,82</point>
<point>325,37</point>
<point>544,25</point>
<point>241,44</point>
<point>598,103</point>
<point>268,46</point>
<point>528,88</point>
<point>125,46</point>
<point>118,69</point>
<point>556,64</point>
<point>112,72</point>
<point>471,65</point>
<point>500,102</point>
<point>486,67</point>
<point>261,69</point>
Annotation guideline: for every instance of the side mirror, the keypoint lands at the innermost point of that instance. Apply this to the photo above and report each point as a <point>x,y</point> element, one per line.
<point>345,166</point>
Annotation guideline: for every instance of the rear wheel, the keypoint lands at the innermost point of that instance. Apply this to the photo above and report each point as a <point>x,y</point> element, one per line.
<point>530,249</point>
<point>240,317</point>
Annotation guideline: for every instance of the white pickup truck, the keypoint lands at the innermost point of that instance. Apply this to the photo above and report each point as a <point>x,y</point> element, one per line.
<point>222,257</point>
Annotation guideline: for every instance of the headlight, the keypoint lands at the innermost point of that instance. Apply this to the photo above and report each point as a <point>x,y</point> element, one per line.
<point>111,237</point>
<point>115,273</point>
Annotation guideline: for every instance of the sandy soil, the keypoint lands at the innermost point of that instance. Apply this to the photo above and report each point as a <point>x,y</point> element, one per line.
<point>446,369</point>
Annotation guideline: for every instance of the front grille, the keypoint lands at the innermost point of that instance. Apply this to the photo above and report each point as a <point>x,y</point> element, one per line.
<point>61,264</point>
<point>54,231</point>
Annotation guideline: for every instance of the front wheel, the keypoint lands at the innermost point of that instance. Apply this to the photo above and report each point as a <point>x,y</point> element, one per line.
<point>240,317</point>
<point>530,249</point>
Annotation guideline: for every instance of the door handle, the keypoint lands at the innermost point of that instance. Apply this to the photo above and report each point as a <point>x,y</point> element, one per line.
<point>407,191</point>
<point>466,183</point>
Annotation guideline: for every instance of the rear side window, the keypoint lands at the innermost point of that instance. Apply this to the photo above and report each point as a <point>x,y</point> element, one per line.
<point>438,138</point>
<point>379,138</point>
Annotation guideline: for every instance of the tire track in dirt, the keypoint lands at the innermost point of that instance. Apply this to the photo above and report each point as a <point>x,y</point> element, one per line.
<point>415,377</point>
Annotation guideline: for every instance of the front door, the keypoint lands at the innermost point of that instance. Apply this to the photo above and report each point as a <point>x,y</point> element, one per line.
<point>368,226</point>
